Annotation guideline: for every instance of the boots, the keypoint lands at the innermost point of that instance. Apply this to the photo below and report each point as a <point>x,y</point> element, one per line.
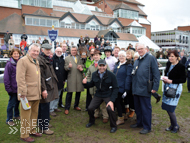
<point>127,110</point>
<point>131,114</point>
<point>120,120</point>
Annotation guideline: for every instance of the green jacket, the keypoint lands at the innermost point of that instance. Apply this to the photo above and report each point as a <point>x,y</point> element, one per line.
<point>87,65</point>
<point>92,69</point>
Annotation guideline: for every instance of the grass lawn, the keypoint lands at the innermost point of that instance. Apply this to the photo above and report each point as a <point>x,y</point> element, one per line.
<point>71,128</point>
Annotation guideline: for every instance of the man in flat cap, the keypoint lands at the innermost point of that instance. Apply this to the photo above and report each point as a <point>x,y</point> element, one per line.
<point>107,90</point>
<point>48,86</point>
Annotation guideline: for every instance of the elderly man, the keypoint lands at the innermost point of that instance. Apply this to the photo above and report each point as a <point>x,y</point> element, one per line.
<point>74,67</point>
<point>144,73</point>
<point>58,65</point>
<point>64,50</point>
<point>29,86</point>
<point>49,88</point>
<point>107,90</point>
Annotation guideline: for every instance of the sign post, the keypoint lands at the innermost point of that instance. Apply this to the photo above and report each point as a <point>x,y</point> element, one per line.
<point>52,36</point>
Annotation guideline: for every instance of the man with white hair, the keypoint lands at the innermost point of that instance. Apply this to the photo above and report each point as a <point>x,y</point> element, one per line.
<point>29,86</point>
<point>58,66</point>
<point>145,81</point>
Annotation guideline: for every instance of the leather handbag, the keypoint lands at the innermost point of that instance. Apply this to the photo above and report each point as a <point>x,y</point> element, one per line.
<point>171,92</point>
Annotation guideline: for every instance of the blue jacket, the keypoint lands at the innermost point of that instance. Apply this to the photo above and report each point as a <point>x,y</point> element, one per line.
<point>124,77</point>
<point>141,76</point>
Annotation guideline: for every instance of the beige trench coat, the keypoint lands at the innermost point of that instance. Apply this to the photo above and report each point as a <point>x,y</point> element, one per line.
<point>75,77</point>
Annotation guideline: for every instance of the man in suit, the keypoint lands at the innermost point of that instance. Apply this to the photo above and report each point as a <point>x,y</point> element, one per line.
<point>74,67</point>
<point>183,58</point>
<point>64,55</point>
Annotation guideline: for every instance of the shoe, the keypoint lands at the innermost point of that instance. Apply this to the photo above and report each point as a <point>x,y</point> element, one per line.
<point>135,126</point>
<point>131,114</point>
<point>10,123</point>
<point>89,125</point>
<point>66,112</point>
<point>77,108</point>
<point>96,117</point>
<point>120,120</point>
<point>57,110</point>
<point>169,128</point>
<point>144,131</point>
<point>105,120</point>
<point>61,106</point>
<point>53,114</point>
<point>50,126</point>
<point>175,129</point>
<point>17,118</point>
<point>48,132</point>
<point>28,139</point>
<point>36,135</point>
<point>158,98</point>
<point>113,130</point>
<point>127,110</point>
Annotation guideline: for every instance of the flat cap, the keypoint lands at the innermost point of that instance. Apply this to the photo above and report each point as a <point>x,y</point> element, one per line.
<point>101,62</point>
<point>46,46</point>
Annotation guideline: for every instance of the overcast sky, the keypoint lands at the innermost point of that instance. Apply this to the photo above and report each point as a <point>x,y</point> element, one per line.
<point>167,14</point>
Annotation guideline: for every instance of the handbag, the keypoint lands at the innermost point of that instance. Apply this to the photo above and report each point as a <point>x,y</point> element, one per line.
<point>171,92</point>
<point>150,83</point>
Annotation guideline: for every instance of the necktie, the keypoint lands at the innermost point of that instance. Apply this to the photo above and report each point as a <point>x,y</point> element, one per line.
<point>95,64</point>
<point>75,59</point>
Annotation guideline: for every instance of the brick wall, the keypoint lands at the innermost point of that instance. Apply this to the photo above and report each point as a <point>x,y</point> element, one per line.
<point>5,12</point>
<point>184,28</point>
<point>31,9</point>
<point>148,30</point>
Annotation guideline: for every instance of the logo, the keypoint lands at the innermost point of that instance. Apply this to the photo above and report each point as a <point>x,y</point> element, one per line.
<point>52,34</point>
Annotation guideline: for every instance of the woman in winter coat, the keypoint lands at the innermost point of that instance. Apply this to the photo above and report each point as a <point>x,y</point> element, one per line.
<point>174,77</point>
<point>11,86</point>
<point>122,70</point>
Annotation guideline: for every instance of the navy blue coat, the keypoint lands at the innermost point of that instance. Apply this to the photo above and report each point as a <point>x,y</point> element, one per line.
<point>187,65</point>
<point>141,77</point>
<point>124,77</point>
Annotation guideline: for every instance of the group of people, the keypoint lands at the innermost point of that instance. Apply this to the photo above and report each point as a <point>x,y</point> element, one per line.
<point>120,80</point>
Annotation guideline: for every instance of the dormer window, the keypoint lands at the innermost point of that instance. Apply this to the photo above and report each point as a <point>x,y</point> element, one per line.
<point>126,14</point>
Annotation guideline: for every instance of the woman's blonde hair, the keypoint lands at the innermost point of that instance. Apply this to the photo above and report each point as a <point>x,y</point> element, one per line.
<point>130,51</point>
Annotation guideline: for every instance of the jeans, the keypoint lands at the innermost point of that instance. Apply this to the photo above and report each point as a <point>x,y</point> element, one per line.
<point>53,104</point>
<point>13,103</point>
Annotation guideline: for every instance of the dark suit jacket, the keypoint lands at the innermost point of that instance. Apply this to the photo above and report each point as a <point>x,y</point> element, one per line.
<point>177,74</point>
<point>183,60</point>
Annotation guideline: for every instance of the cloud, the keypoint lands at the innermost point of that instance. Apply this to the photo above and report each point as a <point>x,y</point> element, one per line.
<point>167,14</point>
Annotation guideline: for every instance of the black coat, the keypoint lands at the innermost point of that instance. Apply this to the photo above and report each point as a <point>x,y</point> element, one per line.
<point>24,36</point>
<point>183,60</point>
<point>45,41</point>
<point>61,73</point>
<point>177,74</point>
<point>106,87</point>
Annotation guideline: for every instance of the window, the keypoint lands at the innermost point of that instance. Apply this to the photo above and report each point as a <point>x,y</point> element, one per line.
<point>42,22</point>
<point>62,24</point>
<point>126,14</point>
<point>56,23</point>
<point>82,26</point>
<point>77,25</point>
<point>36,21</point>
<point>49,23</point>
<point>28,21</point>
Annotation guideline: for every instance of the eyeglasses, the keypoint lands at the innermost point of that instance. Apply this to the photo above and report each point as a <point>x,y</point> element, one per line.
<point>121,56</point>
